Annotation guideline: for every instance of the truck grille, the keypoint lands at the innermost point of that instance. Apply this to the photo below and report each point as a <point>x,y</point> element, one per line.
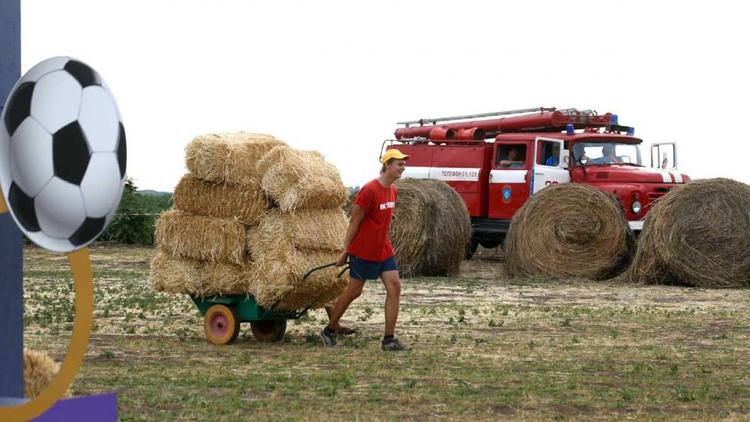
<point>652,196</point>
<point>657,193</point>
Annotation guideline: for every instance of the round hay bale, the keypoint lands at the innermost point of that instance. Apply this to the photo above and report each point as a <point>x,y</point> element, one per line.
<point>38,372</point>
<point>697,235</point>
<point>571,230</point>
<point>430,228</point>
<point>350,197</point>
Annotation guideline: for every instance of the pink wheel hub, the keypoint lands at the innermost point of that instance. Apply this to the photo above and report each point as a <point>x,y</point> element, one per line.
<point>219,324</point>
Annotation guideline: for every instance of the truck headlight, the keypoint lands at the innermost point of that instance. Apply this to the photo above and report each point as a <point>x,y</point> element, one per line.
<point>636,207</point>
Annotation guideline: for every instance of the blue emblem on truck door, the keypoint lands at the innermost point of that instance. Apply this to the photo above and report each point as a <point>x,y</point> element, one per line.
<point>506,193</point>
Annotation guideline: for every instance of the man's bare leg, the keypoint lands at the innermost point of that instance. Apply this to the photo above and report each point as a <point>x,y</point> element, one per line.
<point>392,283</point>
<point>353,291</point>
<point>329,312</point>
<point>338,327</point>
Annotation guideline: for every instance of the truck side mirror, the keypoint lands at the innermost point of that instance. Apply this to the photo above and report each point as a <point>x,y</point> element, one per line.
<point>664,155</point>
<point>565,158</point>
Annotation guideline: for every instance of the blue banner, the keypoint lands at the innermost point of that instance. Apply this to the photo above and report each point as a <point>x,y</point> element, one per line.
<point>11,258</point>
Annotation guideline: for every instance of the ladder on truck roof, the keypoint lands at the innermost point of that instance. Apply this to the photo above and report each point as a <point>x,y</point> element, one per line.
<point>434,121</point>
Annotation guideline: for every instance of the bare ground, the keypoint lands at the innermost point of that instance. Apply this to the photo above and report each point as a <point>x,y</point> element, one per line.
<point>483,346</point>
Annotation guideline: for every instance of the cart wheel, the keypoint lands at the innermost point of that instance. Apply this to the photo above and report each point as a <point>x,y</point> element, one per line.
<point>221,324</point>
<point>269,331</point>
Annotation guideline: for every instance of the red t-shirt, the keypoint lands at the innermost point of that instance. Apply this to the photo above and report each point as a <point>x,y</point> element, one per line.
<point>371,242</point>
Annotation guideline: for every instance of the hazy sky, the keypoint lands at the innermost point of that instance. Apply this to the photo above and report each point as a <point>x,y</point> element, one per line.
<point>336,76</point>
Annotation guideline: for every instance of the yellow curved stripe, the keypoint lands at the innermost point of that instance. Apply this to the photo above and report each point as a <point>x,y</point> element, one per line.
<point>3,207</point>
<point>83,277</point>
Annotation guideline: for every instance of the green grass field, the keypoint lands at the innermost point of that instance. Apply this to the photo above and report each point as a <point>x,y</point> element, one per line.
<point>483,347</point>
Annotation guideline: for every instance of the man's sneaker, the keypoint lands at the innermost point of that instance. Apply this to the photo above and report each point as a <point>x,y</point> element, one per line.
<point>328,336</point>
<point>345,331</point>
<point>393,345</point>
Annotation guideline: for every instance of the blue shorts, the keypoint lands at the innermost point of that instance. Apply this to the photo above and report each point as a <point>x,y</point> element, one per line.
<point>369,270</point>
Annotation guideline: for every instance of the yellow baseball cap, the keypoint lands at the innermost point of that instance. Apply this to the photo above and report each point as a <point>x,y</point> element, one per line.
<point>393,153</point>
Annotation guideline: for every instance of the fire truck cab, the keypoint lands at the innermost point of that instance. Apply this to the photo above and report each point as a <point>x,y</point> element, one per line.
<point>497,164</point>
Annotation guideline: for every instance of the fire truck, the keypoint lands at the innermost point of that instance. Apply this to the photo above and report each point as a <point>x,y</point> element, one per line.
<point>497,161</point>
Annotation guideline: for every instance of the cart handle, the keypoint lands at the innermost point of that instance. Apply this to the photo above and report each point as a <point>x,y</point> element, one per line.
<point>322,267</point>
<point>346,268</point>
<point>307,274</point>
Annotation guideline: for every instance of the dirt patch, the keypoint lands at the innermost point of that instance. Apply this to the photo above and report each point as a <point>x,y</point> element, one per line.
<point>484,346</point>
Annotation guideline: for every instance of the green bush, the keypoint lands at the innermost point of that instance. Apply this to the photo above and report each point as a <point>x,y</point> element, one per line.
<point>135,218</point>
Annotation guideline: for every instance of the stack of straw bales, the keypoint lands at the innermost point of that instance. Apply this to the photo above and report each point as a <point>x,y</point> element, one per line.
<point>571,230</point>
<point>251,217</point>
<point>430,229</point>
<point>697,235</point>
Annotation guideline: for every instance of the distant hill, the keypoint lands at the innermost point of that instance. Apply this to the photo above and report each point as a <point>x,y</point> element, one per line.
<point>153,192</point>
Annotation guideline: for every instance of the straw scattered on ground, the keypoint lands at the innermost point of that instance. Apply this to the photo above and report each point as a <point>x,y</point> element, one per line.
<point>38,372</point>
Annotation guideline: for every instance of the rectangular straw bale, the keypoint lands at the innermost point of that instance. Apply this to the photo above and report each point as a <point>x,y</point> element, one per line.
<point>203,238</point>
<point>287,245</point>
<point>246,203</point>
<point>305,229</point>
<point>228,157</point>
<point>300,180</point>
<point>280,281</point>
<point>197,278</point>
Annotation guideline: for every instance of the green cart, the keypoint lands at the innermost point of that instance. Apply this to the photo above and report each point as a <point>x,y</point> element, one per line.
<point>222,315</point>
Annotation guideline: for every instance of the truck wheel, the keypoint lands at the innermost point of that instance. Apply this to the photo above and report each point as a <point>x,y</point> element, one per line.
<point>221,324</point>
<point>471,247</point>
<point>269,331</point>
<point>489,244</point>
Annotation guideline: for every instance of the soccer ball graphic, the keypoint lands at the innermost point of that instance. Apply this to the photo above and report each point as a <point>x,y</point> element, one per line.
<point>62,154</point>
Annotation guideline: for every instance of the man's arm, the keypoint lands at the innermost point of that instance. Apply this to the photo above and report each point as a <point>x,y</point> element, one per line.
<point>509,163</point>
<point>358,214</point>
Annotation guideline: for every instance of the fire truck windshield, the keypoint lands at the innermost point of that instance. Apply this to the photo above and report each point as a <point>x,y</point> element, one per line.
<point>606,153</point>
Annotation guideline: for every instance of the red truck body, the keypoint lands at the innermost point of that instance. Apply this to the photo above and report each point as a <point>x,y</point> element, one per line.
<point>551,147</point>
